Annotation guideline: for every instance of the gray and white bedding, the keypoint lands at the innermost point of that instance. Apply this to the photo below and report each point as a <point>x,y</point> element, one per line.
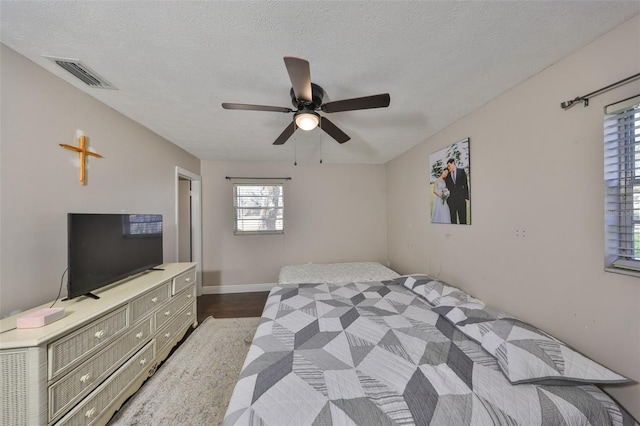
<point>335,273</point>
<point>383,353</point>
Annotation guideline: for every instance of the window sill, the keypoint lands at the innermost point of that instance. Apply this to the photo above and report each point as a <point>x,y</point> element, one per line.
<point>623,271</point>
<point>258,232</point>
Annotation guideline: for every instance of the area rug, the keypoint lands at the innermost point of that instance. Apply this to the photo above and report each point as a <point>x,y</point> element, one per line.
<point>194,385</point>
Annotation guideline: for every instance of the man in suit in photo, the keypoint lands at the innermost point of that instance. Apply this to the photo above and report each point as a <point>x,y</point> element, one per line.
<point>458,186</point>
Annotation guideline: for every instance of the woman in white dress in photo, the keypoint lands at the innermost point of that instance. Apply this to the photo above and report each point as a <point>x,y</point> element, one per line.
<point>440,212</point>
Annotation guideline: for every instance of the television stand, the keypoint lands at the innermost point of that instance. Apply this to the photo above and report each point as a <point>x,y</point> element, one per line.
<point>81,368</point>
<point>156,269</point>
<point>92,296</point>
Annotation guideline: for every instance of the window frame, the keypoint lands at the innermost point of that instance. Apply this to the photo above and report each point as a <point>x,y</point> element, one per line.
<point>622,186</point>
<point>236,223</point>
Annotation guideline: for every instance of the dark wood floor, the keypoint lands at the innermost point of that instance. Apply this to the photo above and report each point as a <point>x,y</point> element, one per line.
<point>232,305</point>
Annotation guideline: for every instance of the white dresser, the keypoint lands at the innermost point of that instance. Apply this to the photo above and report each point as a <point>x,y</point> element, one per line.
<point>80,369</point>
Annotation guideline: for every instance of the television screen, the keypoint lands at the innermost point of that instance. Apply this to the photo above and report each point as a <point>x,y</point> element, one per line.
<point>105,248</point>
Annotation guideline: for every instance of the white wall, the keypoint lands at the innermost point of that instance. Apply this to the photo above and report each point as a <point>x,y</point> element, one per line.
<point>537,168</point>
<point>39,180</point>
<point>333,213</point>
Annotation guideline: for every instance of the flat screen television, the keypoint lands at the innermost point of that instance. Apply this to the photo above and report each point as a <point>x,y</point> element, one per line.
<point>105,248</point>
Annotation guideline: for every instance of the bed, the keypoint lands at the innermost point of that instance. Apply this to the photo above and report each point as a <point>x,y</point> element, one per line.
<point>410,350</point>
<point>335,273</point>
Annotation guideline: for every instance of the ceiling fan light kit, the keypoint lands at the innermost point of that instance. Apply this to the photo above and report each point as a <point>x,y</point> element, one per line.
<point>307,98</point>
<point>307,120</point>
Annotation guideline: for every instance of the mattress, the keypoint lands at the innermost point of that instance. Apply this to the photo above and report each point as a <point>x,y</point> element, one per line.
<point>378,353</point>
<point>335,273</point>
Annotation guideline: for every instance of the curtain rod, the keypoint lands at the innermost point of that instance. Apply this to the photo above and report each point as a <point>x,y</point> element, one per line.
<point>257,178</point>
<point>585,98</point>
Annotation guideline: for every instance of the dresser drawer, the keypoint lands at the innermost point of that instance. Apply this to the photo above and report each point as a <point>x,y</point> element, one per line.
<point>148,302</point>
<point>178,301</point>
<point>65,352</point>
<point>68,390</point>
<point>166,335</point>
<point>100,399</point>
<point>183,281</point>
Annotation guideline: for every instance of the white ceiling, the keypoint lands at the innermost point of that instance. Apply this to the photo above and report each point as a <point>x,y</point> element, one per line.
<point>175,62</point>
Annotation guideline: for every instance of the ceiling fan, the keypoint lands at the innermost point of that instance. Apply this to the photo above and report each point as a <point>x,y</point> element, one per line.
<point>307,98</point>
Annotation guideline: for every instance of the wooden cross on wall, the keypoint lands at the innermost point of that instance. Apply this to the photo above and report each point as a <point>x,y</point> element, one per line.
<point>82,151</point>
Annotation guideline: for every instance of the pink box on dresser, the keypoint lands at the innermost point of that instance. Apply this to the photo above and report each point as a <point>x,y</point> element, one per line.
<point>40,318</point>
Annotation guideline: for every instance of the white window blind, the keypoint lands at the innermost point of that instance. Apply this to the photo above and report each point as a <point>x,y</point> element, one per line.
<point>622,184</point>
<point>259,208</point>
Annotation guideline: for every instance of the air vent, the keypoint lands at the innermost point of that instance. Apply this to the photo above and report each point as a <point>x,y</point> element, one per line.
<point>82,72</point>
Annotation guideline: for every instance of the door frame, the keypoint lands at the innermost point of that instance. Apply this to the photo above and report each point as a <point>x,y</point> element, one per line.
<point>196,220</point>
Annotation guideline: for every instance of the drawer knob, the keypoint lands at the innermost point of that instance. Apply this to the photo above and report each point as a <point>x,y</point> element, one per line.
<point>154,300</point>
<point>189,313</point>
<point>167,313</point>
<point>189,296</point>
<point>143,361</point>
<point>90,413</point>
<point>188,279</point>
<point>86,378</point>
<point>167,335</point>
<point>99,334</point>
<point>139,335</point>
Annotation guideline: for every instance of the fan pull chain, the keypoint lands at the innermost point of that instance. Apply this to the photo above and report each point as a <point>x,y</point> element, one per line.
<point>321,141</point>
<point>295,152</point>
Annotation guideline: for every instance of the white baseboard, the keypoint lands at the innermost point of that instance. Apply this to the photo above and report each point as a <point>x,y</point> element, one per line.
<point>240,288</point>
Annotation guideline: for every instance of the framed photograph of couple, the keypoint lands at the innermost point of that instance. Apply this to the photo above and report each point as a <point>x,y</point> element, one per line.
<point>449,181</point>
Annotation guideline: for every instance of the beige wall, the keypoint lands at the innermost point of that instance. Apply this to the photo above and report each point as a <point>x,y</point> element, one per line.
<point>534,168</point>
<point>333,213</point>
<point>184,224</point>
<point>39,181</point>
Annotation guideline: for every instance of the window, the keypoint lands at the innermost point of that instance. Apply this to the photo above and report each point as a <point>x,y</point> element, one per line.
<point>622,185</point>
<point>259,209</point>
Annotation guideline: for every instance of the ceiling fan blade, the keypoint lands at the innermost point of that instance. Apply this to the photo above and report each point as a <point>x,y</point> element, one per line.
<point>300,77</point>
<point>367,102</point>
<point>249,107</point>
<point>286,133</point>
<point>333,131</point>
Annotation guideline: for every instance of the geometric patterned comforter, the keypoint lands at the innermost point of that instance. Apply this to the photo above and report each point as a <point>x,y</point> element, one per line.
<point>376,354</point>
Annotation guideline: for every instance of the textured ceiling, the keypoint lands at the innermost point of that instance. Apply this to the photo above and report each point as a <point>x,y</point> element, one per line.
<point>175,62</point>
